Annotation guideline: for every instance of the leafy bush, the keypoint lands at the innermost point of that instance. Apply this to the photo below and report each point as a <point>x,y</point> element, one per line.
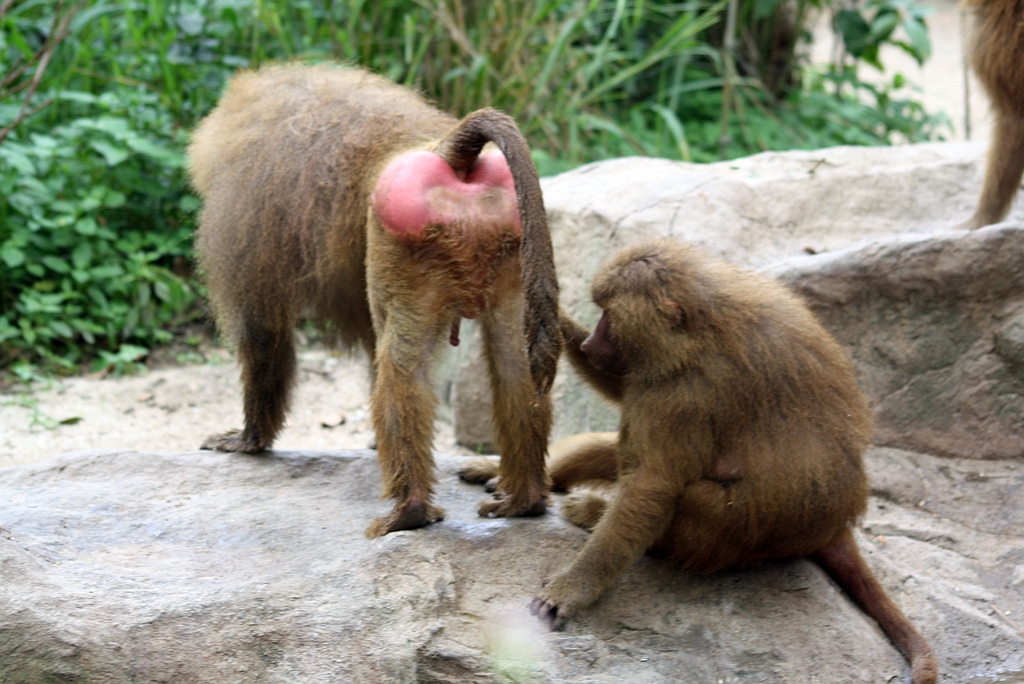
<point>92,214</point>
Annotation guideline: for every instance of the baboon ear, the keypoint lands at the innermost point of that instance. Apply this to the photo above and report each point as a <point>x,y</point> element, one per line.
<point>419,189</point>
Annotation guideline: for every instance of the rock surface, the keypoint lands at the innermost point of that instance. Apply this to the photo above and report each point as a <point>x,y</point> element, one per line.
<point>765,212</point>
<point>208,567</point>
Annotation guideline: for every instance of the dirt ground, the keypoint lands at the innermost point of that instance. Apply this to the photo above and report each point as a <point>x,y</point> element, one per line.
<point>174,409</point>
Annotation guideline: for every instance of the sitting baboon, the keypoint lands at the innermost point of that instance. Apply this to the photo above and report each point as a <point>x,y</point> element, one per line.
<point>741,435</point>
<point>334,193</point>
<point>997,55</point>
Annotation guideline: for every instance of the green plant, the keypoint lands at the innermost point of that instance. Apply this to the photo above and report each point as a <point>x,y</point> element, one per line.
<point>92,213</point>
<point>864,32</point>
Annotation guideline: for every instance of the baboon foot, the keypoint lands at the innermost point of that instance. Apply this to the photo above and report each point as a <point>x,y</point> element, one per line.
<point>505,505</point>
<point>479,471</point>
<point>583,508</point>
<point>234,441</point>
<point>407,515</point>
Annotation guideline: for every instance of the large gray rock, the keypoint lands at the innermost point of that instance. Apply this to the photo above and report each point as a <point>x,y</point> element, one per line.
<point>935,326</point>
<point>120,567</point>
<point>763,211</point>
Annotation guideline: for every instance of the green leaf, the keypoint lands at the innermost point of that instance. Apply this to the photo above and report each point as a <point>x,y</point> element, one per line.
<point>114,199</point>
<point>918,34</point>
<point>62,329</point>
<point>86,226</point>
<point>189,203</point>
<point>854,29</point>
<point>76,96</point>
<point>18,161</point>
<point>81,255</point>
<point>884,23</point>
<point>11,255</point>
<point>157,152</point>
<point>112,154</point>
<point>56,264</point>
<point>106,272</point>
<point>764,8</point>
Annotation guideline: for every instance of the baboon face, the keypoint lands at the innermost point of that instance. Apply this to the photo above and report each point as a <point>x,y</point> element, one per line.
<point>602,350</point>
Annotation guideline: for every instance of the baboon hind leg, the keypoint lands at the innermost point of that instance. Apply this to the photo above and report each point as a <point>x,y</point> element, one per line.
<point>522,422</point>
<point>589,457</point>
<point>267,357</point>
<point>402,409</point>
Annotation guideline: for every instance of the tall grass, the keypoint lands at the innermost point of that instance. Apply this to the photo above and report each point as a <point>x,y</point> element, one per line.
<point>586,79</point>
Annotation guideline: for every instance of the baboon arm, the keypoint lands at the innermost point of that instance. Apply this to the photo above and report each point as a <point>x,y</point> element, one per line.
<point>637,518</point>
<point>573,335</point>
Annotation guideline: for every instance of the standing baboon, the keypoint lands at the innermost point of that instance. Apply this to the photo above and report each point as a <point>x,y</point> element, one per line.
<point>334,193</point>
<point>997,55</point>
<point>741,435</point>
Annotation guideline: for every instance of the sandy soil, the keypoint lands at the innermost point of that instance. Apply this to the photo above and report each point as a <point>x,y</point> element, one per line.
<point>174,409</point>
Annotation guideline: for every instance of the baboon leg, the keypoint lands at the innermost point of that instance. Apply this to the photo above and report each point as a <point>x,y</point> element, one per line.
<point>522,422</point>
<point>842,560</point>
<point>267,357</point>
<point>705,525</point>
<point>583,458</point>
<point>1003,172</point>
<point>633,522</point>
<point>402,409</point>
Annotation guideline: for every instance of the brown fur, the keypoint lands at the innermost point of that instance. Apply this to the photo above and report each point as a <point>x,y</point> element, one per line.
<point>997,55</point>
<point>286,165</point>
<point>741,434</point>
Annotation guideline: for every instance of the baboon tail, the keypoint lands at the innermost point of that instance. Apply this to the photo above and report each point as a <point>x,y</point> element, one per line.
<point>842,560</point>
<point>460,149</point>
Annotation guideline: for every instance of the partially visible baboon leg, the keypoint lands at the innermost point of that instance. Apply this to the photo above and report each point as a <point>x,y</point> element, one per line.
<point>402,410</point>
<point>1004,170</point>
<point>522,422</point>
<point>267,357</point>
<point>573,460</point>
<point>842,560</point>
<point>479,471</point>
<point>997,56</point>
<point>584,458</point>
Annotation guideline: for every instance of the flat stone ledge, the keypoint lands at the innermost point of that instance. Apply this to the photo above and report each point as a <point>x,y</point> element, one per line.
<point>201,566</point>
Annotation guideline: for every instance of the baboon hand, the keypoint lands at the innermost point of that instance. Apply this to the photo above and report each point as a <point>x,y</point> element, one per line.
<point>558,600</point>
<point>563,596</point>
<point>505,505</point>
<point>547,613</point>
<point>234,441</point>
